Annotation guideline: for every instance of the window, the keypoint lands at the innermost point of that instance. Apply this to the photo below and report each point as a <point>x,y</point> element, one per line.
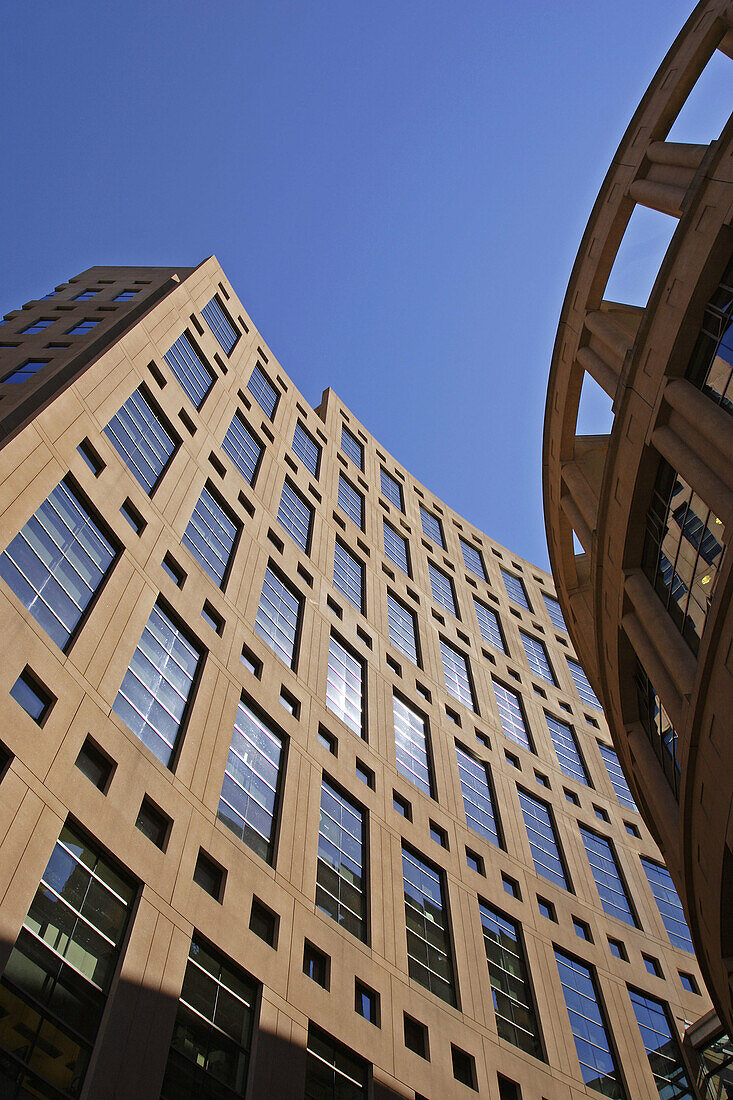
<point>457,675</point>
<point>340,878</point>
<point>212,1035</point>
<point>668,903</point>
<point>35,700</point>
<point>710,364</point>
<point>618,780</point>
<point>652,965</point>
<point>86,295</point>
<point>264,923</point>
<point>396,548</point>
<point>348,575</point>
<point>37,326</point>
<point>688,982</point>
<point>438,834</point>
<point>547,909</point>
<point>124,296</point>
<point>402,628</point>
<point>220,324</point>
<point>209,876</point>
<point>475,862</point>
<point>464,1067</point>
<point>508,1089</point>
<point>95,764</point>
<point>401,806</point>
<point>211,535</point>
<point>243,448</point>
<point>366,1002</point>
<point>62,966</point>
<point>416,1037</point>
<point>472,559</point>
<point>192,373</point>
<point>585,691</point>
<point>662,1046</point>
<point>611,887</point>
<point>296,516</point>
<point>515,589</point>
<point>617,949</point>
<point>307,450</point>
<point>442,589</point>
<point>537,658</point>
<point>510,886</point>
<point>143,439</point>
<point>364,774</point>
<point>352,448</point>
<point>582,929</point>
<point>566,747</point>
<point>58,562</point>
<point>658,728</point>
<point>332,1071</point>
<point>345,686</point>
<point>432,527</point>
<point>391,489</point>
<point>316,965</point>
<point>516,1015</point>
<point>598,1066</point>
<point>555,612</point>
<point>543,840</point>
<point>25,371</point>
<point>490,626</point>
<point>252,778</point>
<point>278,616</point>
<point>411,745</point>
<point>155,693</point>
<point>600,813</point>
<point>511,716</point>
<point>263,391</point>
<point>429,956</point>
<point>351,501</point>
<point>478,797</point>
<point>153,823</point>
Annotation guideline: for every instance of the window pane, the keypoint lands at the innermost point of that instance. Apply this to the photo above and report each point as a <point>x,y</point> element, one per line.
<point>537,657</point>
<point>618,780</point>
<point>515,589</point>
<point>555,612</point>
<point>391,489</point>
<point>139,435</point>
<point>478,797</point>
<point>263,391</point>
<point>442,588</point>
<point>345,686</point>
<point>543,840</point>
<point>670,907</point>
<point>429,956</point>
<point>592,1043</point>
<point>490,626</point>
<point>402,629</point>
<point>457,677</point>
<point>516,1019</point>
<point>585,691</point>
<point>348,576</point>
<point>351,502</point>
<point>243,449</point>
<point>395,547</point>
<point>220,325</point>
<point>278,615</point>
<point>432,527</point>
<point>566,747</point>
<point>661,1045</point>
<point>611,888</point>
<point>511,716</point>
<point>195,378</point>
<point>210,536</point>
<point>295,515</point>
<point>340,882</point>
<point>411,745</point>
<point>250,789</point>
<point>306,449</point>
<point>332,1071</point>
<point>351,447</point>
<point>472,559</point>
<point>658,728</point>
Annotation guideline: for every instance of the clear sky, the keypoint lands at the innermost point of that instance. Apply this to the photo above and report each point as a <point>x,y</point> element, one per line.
<point>395,188</point>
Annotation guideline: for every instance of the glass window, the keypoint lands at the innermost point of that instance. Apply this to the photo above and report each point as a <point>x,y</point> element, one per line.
<point>429,956</point>
<point>278,616</point>
<point>516,1016</point>
<point>478,797</point>
<point>618,780</point>
<point>352,448</point>
<point>543,840</point>
<point>396,548</point>
<point>54,988</point>
<point>662,1046</point>
<point>212,1036</point>
<point>432,527</point>
<point>351,501</point>
<point>490,626</point>
<point>515,589</point>
<point>243,448</point>
<point>457,675</point>
<point>585,691</point>
<point>340,878</point>
<point>611,887</point>
<point>668,903</point>
<point>566,747</point>
<point>82,328</point>
<point>411,745</point>
<point>511,716</point>
<point>587,1022</point>
<point>156,690</point>
<point>537,658</point>
<point>86,295</point>
<point>348,576</point>
<point>250,790</point>
<point>220,325</point>
<point>263,391</point>
<point>189,368</point>
<point>391,489</point>
<point>307,450</point>
<point>25,371</point>
<point>555,612</point>
<point>143,439</point>
<point>659,729</point>
<point>124,296</point>
<point>442,589</point>
<point>345,686</point>
<point>332,1071</point>
<point>32,697</point>
<point>296,516</point>
<point>57,562</point>
<point>211,535</point>
<point>402,628</point>
<point>472,559</point>
<point>36,326</point>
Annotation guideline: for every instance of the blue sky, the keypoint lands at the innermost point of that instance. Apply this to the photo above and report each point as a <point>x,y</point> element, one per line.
<point>396,190</point>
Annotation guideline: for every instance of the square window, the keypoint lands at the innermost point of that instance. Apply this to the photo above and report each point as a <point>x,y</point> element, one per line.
<point>264,922</point>
<point>289,702</point>
<point>401,806</point>
<point>25,371</point>
<point>82,328</point>
<point>652,965</point>
<point>438,834</point>
<point>689,983</point>
<point>250,662</point>
<point>416,1037</point>
<point>508,1089</point>
<point>174,570</point>
<point>316,965</point>
<point>571,796</point>
<point>464,1067</point>
<point>511,759</point>
<point>90,456</point>
<point>153,823</point>
<point>96,765</point>
<point>35,700</point>
<point>209,875</point>
<point>582,929</point>
<point>475,862</point>
<point>542,779</point>
<point>546,908</point>
<point>133,517</point>
<point>600,813</point>
<point>511,886</point>
<point>213,618</point>
<point>617,949</point>
<point>631,829</point>
<point>365,774</point>
<point>328,741</point>
<point>366,1002</point>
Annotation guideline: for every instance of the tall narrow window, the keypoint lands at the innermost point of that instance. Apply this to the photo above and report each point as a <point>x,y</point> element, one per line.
<point>457,675</point>
<point>307,450</point>
<point>263,391</point>
<point>193,374</point>
<point>278,616</point>
<point>340,881</point>
<point>391,489</point>
<point>611,887</point>
<point>598,1066</point>
<point>473,560</point>
<point>58,562</point>
<point>662,1046</point>
<point>515,589</point>
<point>582,683</point>
<point>220,324</point>
<point>351,501</point>
<point>543,840</point>
<point>432,527</point>
<point>211,535</point>
<point>351,447</point>
<point>429,955</point>
<point>402,628</point>
<point>555,612</point>
<point>537,658</point>
<point>212,1036</point>
<point>56,981</point>
<point>490,626</point>
<point>511,716</point>
<point>411,745</point>
<point>442,589</point>
<point>659,729</point>
<point>396,548</point>
<point>296,516</point>
<point>143,439</point>
<point>154,696</point>
<point>345,686</point>
<point>566,747</point>
<point>348,576</point>
<point>617,777</point>
<point>478,797</point>
<point>668,903</point>
<point>332,1071</point>
<point>243,448</point>
<point>516,1015</point>
<point>250,790</point>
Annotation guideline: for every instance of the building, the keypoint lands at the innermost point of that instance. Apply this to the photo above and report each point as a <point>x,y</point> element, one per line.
<point>304,792</point>
<point>647,597</point>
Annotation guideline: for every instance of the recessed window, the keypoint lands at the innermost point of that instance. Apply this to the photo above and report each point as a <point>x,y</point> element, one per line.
<point>396,548</point>
<point>631,829</point>
<point>96,765</point>
<point>188,366</point>
<point>82,328</point>
<point>689,982</point>
<point>366,1002</point>
<point>475,862</point>
<point>173,570</point>
<point>582,929</point>
<point>600,813</point>
<point>85,295</point>
<point>479,802</point>
<point>278,616</point>
<point>546,908</point>
<point>307,450</point>
<point>90,456</point>
<point>154,824</point>
<point>143,438</point>
<point>438,834</point>
<point>429,952</point>
<point>511,759</point>
<point>352,448</point>
<point>6,758</point>
<point>327,740</point>
<point>617,949</point>
<point>351,501</point>
<point>391,489</point>
<point>244,449</point>
<point>316,965</point>
<point>432,527</point>
<point>289,702</point>
<point>264,922</point>
<point>416,1037</point>
<point>133,516</point>
<point>295,516</point>
<point>401,806</point>
<point>220,324</point>
<point>542,779</point>
<point>209,875</point>
<point>508,1089</point>
<point>263,391</point>
<point>571,796</point>
<point>212,617</point>
<point>252,663</point>
<point>510,886</point>
<point>25,371</point>
<point>365,774</point>
<point>652,965</point>
<point>125,296</point>
<point>32,696</point>
<point>37,326</point>
<point>464,1067</point>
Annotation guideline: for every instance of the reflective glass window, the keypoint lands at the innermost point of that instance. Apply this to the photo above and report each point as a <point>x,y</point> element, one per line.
<point>351,501</point>
<point>391,489</point>
<point>244,450</point>
<point>515,589</point>
<point>295,515</point>
<point>611,887</point>
<point>711,364</point>
<point>617,777</point>
<point>669,904</point>
<point>307,450</point>
<point>402,628</point>
<point>211,534</point>
<point>220,325</point>
<point>490,625</point>
<point>516,1016</point>
<point>511,715</point>
<point>429,955</point>
<point>352,448</point>
<point>566,747</point>
<point>348,575</point>
<point>189,368</point>
<point>472,559</point>
<point>442,588</point>
<point>411,745</point>
<point>278,616</point>
<point>659,729</point>
<point>478,797</point>
<point>555,612</point>
<point>345,685</point>
<point>662,1046</point>
<point>332,1071</point>
<point>340,881</point>
<point>432,527</point>
<point>598,1066</point>
<point>263,391</point>
<point>396,549</point>
<point>143,440</point>
<point>457,675</point>
<point>537,658</point>
<point>582,683</point>
<point>543,840</point>
<point>250,790</point>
